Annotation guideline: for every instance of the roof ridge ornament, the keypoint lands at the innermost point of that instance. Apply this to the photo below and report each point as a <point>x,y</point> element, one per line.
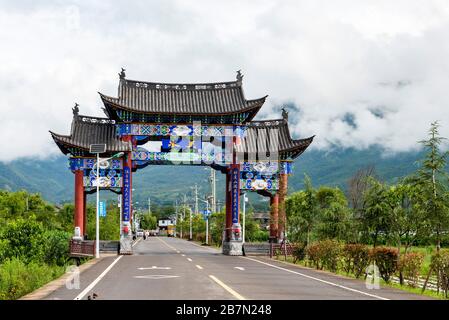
<point>122,74</point>
<point>76,110</point>
<point>239,75</point>
<point>284,114</point>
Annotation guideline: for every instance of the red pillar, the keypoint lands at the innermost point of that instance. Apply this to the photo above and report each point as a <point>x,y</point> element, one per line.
<point>283,184</point>
<point>274,202</point>
<point>84,214</point>
<point>79,201</point>
<point>228,207</point>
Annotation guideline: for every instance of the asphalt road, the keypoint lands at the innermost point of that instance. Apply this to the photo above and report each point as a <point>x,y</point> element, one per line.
<point>167,268</point>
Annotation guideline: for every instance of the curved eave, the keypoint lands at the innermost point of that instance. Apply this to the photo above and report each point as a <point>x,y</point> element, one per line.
<point>299,147</point>
<point>252,106</point>
<point>65,142</point>
<point>58,139</point>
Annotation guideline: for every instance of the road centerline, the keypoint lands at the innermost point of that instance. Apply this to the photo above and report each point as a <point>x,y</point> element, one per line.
<point>199,267</point>
<point>227,288</point>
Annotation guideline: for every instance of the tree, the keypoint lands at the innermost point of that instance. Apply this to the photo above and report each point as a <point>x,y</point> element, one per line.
<point>302,211</point>
<point>376,217</point>
<point>431,179</point>
<point>334,218</point>
<point>357,186</point>
<point>148,222</point>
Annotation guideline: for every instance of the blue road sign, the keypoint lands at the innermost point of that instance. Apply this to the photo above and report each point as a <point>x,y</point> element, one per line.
<point>206,214</point>
<point>102,209</point>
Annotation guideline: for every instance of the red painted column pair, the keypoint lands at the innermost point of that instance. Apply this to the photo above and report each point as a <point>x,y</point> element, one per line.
<point>283,182</point>
<point>274,217</point>
<point>80,218</point>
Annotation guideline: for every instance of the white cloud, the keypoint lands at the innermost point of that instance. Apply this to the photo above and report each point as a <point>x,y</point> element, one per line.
<point>382,62</point>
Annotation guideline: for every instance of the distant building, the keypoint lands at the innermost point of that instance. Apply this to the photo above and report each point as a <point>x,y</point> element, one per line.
<point>163,223</point>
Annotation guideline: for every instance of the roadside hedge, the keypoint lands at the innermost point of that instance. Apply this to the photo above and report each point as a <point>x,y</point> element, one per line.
<point>409,266</point>
<point>355,259</point>
<point>386,260</point>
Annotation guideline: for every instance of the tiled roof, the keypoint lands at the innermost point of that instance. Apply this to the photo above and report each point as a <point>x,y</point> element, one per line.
<point>196,99</point>
<point>271,136</point>
<point>91,130</point>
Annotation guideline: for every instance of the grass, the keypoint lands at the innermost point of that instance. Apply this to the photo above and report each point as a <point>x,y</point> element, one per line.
<point>416,290</point>
<point>17,278</point>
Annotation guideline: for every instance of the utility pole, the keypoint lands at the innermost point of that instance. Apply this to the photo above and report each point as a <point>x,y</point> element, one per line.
<point>190,216</point>
<point>196,199</point>
<point>149,205</point>
<point>212,181</point>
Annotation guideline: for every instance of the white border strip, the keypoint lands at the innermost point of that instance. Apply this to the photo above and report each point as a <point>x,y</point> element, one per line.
<point>93,284</point>
<point>320,280</point>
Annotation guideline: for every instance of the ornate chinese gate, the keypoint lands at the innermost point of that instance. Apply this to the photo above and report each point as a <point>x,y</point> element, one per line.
<point>206,124</point>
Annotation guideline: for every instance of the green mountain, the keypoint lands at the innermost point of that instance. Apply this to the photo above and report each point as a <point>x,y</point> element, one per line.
<point>164,184</point>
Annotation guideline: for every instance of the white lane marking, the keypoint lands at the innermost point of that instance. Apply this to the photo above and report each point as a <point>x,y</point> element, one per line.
<point>155,276</point>
<point>203,247</point>
<point>93,284</point>
<point>136,242</point>
<point>320,280</point>
<point>189,259</point>
<point>240,268</point>
<point>199,267</point>
<point>183,255</point>
<point>154,267</point>
<point>227,288</point>
<point>177,251</point>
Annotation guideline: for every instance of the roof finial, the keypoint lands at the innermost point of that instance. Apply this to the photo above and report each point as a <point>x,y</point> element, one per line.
<point>122,74</point>
<point>239,75</point>
<point>284,114</point>
<point>75,109</point>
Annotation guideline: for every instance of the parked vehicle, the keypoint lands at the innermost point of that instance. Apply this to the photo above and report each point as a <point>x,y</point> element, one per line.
<point>139,233</point>
<point>170,230</point>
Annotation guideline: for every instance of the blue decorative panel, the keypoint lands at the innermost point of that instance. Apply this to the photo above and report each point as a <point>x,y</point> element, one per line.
<point>235,192</point>
<point>126,193</point>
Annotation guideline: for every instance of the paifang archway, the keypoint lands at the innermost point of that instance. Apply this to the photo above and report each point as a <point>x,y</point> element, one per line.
<point>195,124</point>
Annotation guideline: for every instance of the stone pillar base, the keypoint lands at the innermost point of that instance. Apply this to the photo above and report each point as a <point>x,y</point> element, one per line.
<point>126,245</point>
<point>233,248</point>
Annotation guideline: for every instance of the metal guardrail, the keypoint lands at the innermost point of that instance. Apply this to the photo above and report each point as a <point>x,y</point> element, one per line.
<point>256,249</point>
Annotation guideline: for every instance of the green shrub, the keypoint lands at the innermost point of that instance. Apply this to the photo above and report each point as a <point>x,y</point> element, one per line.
<point>25,240</point>
<point>410,265</point>
<point>4,245</point>
<point>299,252</point>
<point>56,247</point>
<point>386,260</point>
<point>355,259</point>
<point>18,278</point>
<point>314,255</point>
<point>440,265</point>
<point>325,254</point>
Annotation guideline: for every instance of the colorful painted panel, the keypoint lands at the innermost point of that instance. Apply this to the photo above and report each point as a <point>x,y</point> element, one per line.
<point>260,184</point>
<point>261,167</point>
<point>88,163</point>
<point>286,167</point>
<point>179,130</point>
<point>109,178</point>
<point>177,157</point>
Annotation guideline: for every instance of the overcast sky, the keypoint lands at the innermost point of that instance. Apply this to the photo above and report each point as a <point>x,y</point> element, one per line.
<point>359,72</point>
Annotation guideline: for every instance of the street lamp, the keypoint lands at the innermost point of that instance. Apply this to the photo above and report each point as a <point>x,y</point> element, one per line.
<point>245,199</point>
<point>99,148</point>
